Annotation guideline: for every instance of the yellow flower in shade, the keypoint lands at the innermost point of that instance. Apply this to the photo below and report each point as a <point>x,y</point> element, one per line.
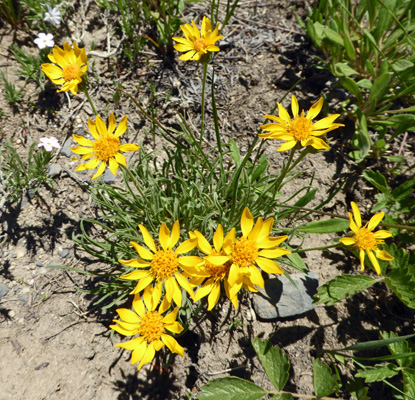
<point>106,148</point>
<point>161,266</point>
<point>151,326</point>
<point>197,44</point>
<point>215,273</point>
<point>69,64</point>
<point>254,249</point>
<point>301,129</point>
<point>364,240</point>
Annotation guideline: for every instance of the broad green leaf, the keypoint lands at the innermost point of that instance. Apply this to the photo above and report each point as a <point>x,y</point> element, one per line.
<point>364,83</point>
<point>370,67</point>
<point>345,69</point>
<point>402,65</point>
<point>402,282</point>
<point>235,152</point>
<point>333,37</point>
<point>379,88</point>
<point>326,226</point>
<point>348,45</point>
<point>404,190</point>
<point>402,347</point>
<point>400,256</point>
<point>378,372</point>
<point>324,381</point>
<point>409,382</point>
<point>231,388</point>
<point>357,390</point>
<point>377,180</point>
<point>274,361</point>
<point>306,198</point>
<point>342,287</point>
<point>350,85</point>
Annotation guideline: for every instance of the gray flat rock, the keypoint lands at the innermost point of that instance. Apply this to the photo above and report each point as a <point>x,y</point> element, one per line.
<point>109,178</point>
<point>281,299</point>
<point>54,170</point>
<point>3,290</point>
<point>66,148</point>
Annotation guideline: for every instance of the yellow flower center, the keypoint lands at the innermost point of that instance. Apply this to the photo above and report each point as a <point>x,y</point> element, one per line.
<point>217,272</point>
<point>164,264</point>
<point>71,71</point>
<point>200,45</point>
<point>244,252</point>
<point>365,240</point>
<point>300,128</point>
<point>151,326</point>
<point>106,147</point>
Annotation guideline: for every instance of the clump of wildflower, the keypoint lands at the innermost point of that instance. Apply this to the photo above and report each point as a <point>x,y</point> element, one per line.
<point>49,143</point>
<point>161,266</point>
<point>53,15</point>
<point>364,240</point>
<point>69,64</point>
<point>197,44</point>
<point>301,130</point>
<point>151,327</point>
<point>106,149</point>
<point>44,40</point>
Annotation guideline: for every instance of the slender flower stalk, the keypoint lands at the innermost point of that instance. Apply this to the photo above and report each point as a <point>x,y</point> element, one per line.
<point>151,327</point>
<point>365,240</point>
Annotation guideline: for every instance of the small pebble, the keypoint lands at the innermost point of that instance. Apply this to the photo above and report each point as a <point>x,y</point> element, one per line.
<point>64,253</point>
<point>39,264</point>
<point>12,313</point>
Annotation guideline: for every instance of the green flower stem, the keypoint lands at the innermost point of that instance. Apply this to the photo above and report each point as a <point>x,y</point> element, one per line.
<point>330,246</point>
<point>202,127</point>
<point>283,173</point>
<point>90,101</point>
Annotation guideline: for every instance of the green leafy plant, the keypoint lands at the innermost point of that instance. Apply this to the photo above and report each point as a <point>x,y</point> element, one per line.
<point>370,49</point>
<point>276,366</point>
<point>11,94</point>
<point>12,11</point>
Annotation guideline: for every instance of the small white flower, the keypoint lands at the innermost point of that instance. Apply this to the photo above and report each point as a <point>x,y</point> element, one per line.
<point>44,40</point>
<point>53,15</point>
<point>49,143</point>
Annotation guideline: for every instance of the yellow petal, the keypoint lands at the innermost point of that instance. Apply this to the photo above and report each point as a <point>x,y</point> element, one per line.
<point>374,261</point>
<point>143,252</point>
<point>202,244</point>
<point>294,106</point>
<point>382,234</point>
<point>185,285</point>
<point>112,123</point>
<point>138,351</point>
<point>93,129</point>
<point>362,259</point>
<point>325,122</point>
<point>164,236</point>
<point>120,159</point>
<point>375,220</point>
<point>204,290</point>
<point>287,145</point>
<point>172,344</point>
<point>100,171</point>
<point>101,127</point>
<point>175,235</point>
<point>269,266</point>
<point>113,166</point>
<point>122,127</point>
<point>274,253</point>
<point>148,356</point>
<point>148,240</point>
<point>83,141</point>
<point>383,255</point>
<point>128,315</point>
<point>135,275</point>
<point>315,109</point>
<point>347,241</point>
<point>247,222</point>
<point>171,317</point>
<point>214,296</point>
<point>356,213</point>
<point>282,112</point>
<point>187,246</point>
<point>129,147</point>
<point>138,306</point>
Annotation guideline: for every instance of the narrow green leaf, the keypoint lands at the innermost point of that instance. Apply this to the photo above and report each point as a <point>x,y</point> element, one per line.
<point>350,85</point>
<point>348,45</point>
<point>342,287</point>
<point>298,262</point>
<point>403,347</point>
<point>378,372</point>
<point>274,361</point>
<point>364,83</point>
<point>324,381</point>
<point>345,69</point>
<point>326,226</point>
<point>375,344</point>
<point>402,282</point>
<point>377,180</point>
<point>231,388</point>
<point>235,152</point>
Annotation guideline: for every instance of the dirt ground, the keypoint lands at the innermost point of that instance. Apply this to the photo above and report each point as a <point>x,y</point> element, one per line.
<point>54,343</point>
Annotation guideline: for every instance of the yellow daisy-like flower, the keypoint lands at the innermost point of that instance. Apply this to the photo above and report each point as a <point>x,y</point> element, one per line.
<point>301,129</point>
<point>197,44</point>
<point>254,249</point>
<point>215,272</point>
<point>151,326</point>
<point>364,240</point>
<point>106,148</point>
<point>161,266</point>
<point>69,64</point>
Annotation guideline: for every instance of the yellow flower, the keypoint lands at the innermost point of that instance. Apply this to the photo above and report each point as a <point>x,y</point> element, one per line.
<point>70,65</point>
<point>150,325</point>
<point>254,249</point>
<point>300,129</point>
<point>106,147</point>
<point>197,44</point>
<point>216,272</point>
<point>364,240</point>
<point>164,266</point>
